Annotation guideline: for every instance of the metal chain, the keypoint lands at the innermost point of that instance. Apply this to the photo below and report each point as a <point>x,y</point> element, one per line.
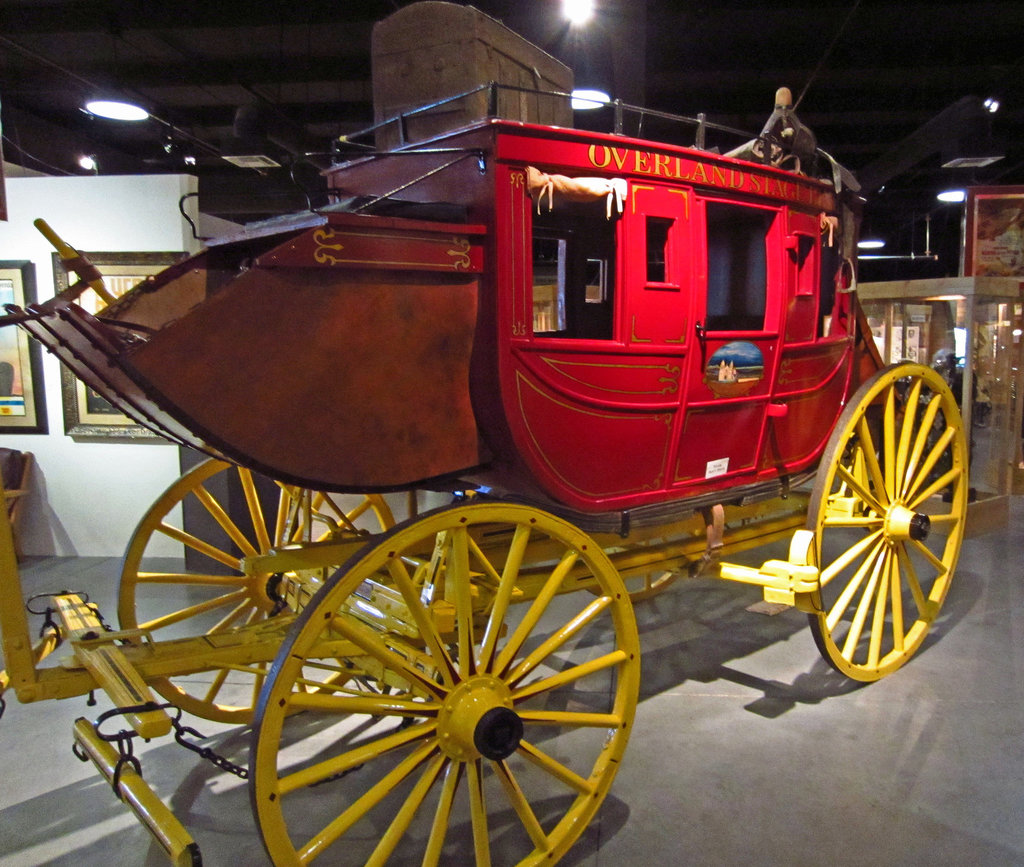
<point>205,752</point>
<point>124,738</point>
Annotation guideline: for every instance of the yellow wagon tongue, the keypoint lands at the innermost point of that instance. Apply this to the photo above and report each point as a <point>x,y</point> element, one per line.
<point>73,261</point>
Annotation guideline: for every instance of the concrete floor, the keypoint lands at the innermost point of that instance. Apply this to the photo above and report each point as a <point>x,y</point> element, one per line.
<point>747,747</point>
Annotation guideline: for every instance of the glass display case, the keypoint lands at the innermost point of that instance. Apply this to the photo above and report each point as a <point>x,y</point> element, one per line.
<point>969,329</point>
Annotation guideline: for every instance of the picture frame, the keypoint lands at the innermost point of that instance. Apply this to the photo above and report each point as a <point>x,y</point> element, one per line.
<point>994,232</point>
<point>87,415</point>
<point>22,396</point>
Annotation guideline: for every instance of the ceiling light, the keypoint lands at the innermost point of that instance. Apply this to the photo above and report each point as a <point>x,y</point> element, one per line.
<point>116,110</point>
<point>586,100</point>
<point>871,244</point>
<point>952,196</point>
<point>578,11</point>
<point>992,104</point>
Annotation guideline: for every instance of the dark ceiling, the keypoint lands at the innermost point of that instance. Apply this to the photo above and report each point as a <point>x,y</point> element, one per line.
<point>868,73</point>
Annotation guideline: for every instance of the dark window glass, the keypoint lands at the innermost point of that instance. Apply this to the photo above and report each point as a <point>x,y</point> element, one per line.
<point>737,266</point>
<point>657,245</point>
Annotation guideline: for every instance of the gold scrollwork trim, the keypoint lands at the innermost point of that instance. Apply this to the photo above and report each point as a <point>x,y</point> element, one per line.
<point>460,254</point>
<point>321,237</point>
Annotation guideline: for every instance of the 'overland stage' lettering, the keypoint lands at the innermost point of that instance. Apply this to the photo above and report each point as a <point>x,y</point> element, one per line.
<point>678,168</point>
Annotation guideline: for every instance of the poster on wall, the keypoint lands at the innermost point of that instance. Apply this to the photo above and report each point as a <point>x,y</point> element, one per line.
<point>87,414</point>
<point>22,407</point>
<point>994,232</point>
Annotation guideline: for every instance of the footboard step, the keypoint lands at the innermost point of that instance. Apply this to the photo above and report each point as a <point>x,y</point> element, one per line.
<point>135,792</point>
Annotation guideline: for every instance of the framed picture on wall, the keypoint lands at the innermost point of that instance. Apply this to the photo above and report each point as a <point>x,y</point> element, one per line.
<point>994,232</point>
<point>88,415</point>
<point>22,404</point>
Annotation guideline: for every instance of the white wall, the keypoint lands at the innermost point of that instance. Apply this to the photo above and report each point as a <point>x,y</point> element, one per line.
<point>87,497</point>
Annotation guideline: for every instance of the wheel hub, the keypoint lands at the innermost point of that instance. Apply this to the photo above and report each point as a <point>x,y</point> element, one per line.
<point>477,720</point>
<point>902,523</point>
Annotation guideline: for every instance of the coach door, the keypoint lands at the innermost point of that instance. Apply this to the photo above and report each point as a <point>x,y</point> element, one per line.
<point>737,334</point>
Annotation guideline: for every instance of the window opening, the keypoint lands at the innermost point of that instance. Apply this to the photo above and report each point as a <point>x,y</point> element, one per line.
<point>831,261</point>
<point>574,271</point>
<point>657,248</point>
<point>737,266</point>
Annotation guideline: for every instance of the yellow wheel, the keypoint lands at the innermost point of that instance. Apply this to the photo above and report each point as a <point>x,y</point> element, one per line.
<point>888,512</point>
<point>504,724</point>
<point>211,594</point>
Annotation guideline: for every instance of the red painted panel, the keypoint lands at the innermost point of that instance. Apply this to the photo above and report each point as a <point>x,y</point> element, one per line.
<point>585,454</point>
<point>718,440</point>
<point>801,434</point>
<point>808,367</point>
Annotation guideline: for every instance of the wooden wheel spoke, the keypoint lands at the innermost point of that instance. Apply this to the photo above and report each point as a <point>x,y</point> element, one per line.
<point>907,431</point>
<point>459,585</point>
<point>896,586</point>
<point>191,579</point>
<point>411,594</point>
<point>860,614</point>
<point>215,686</point>
<point>848,556</point>
<point>218,514</point>
<point>920,442</point>
<point>554,768</point>
<point>506,587</point>
<point>869,454</point>
<point>535,611</point>
<point>361,806</point>
<point>194,610</point>
<point>244,611</point>
<point>558,638</point>
<point>910,573</point>
<point>837,611</point>
<point>571,719</point>
<point>869,499</point>
<point>372,643</point>
<point>203,547</point>
<point>571,674</point>
<point>488,575</point>
<point>935,454</point>
<point>396,830</point>
<point>522,807</point>
<point>944,481</point>
<point>354,758</point>
<point>371,704</point>
<point>939,567</point>
<point>442,815</point>
<point>889,443</point>
<point>252,500</point>
<point>478,814</point>
<point>257,684</point>
<point>881,608</point>
<point>873,522</point>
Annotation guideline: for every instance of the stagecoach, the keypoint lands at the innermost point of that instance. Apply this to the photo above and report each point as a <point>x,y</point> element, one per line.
<point>612,360</point>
